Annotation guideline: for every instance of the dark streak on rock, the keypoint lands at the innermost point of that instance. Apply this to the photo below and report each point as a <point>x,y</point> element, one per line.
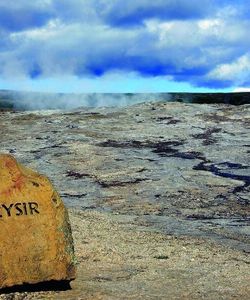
<point>159,145</point>
<point>169,120</point>
<point>162,148</point>
<point>207,136</point>
<point>120,183</point>
<point>104,184</point>
<point>74,196</point>
<point>47,147</point>
<point>221,170</point>
<point>77,175</point>
<point>189,155</point>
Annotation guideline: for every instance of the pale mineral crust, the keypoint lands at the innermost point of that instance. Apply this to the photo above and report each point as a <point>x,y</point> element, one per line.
<point>36,242</point>
<point>158,196</point>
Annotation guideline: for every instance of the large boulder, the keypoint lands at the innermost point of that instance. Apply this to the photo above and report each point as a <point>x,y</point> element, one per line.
<point>35,236</point>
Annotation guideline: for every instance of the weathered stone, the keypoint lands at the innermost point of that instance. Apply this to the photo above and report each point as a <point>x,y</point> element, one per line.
<point>36,242</point>
<point>141,187</point>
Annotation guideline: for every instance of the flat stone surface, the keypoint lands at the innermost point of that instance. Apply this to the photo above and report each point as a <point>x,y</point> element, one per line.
<point>158,196</point>
<point>36,242</point>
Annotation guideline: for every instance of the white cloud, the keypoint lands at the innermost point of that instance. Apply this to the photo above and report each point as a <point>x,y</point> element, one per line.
<point>210,24</point>
<point>241,90</point>
<point>238,71</point>
<point>50,30</point>
<point>84,37</point>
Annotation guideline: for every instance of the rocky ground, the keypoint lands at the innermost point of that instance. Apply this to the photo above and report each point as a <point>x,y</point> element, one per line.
<point>158,195</point>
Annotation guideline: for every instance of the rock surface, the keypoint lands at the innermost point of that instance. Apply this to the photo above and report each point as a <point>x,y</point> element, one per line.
<point>36,242</point>
<point>158,196</point>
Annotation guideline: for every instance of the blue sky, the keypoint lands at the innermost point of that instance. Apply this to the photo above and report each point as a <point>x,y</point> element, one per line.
<point>125,46</point>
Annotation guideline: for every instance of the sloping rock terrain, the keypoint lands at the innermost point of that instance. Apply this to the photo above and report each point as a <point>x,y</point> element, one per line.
<point>158,196</point>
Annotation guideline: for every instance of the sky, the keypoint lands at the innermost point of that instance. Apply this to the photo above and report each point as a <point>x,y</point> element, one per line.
<point>125,46</point>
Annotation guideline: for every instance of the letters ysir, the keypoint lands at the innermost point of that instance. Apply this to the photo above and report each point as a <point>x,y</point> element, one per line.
<point>19,209</point>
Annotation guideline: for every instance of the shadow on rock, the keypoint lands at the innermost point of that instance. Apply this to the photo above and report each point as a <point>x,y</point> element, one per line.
<point>53,285</point>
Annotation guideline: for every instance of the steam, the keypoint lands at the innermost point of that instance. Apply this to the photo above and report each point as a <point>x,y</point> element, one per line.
<point>44,101</point>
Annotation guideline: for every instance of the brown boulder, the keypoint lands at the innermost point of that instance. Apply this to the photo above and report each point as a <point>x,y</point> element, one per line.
<point>35,236</point>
